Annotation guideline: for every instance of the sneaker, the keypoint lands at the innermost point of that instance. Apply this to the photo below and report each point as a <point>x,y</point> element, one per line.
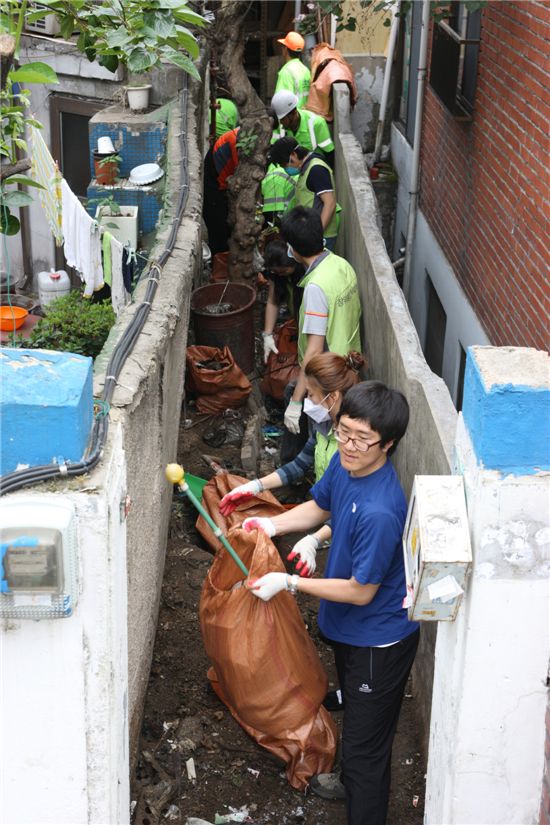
<point>328,786</point>
<point>334,700</point>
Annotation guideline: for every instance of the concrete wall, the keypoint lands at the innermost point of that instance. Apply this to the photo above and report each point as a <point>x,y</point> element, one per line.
<point>392,346</point>
<point>148,399</point>
<point>64,686</point>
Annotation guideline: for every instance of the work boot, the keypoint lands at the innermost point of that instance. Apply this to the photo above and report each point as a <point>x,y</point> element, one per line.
<point>334,700</point>
<point>328,786</point>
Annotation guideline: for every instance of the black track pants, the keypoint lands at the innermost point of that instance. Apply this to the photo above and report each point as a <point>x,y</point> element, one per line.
<point>373,682</point>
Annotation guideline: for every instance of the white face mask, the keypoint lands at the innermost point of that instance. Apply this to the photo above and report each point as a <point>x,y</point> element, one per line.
<point>316,412</point>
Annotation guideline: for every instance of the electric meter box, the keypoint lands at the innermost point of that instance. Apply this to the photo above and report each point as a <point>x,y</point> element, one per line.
<point>37,557</point>
<point>436,547</point>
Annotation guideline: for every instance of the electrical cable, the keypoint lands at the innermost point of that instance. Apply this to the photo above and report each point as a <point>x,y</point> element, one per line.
<point>124,346</point>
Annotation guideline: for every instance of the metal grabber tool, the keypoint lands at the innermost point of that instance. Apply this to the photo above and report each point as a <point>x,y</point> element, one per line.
<point>176,475</point>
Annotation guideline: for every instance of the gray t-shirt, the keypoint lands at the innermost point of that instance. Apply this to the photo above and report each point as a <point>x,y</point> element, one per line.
<point>315,310</point>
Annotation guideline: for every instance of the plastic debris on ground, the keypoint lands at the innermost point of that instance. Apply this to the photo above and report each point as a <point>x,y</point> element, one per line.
<point>415,801</point>
<point>234,815</point>
<point>272,431</point>
<point>193,820</point>
<point>172,813</point>
<point>228,431</point>
<point>191,773</point>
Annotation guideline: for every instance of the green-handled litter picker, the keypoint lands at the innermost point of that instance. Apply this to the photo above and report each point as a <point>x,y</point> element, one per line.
<point>175,474</point>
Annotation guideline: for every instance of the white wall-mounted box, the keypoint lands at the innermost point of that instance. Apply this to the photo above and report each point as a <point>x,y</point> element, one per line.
<point>436,547</point>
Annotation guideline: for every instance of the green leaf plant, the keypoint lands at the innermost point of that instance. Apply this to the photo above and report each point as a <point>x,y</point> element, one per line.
<point>14,104</point>
<point>73,324</point>
<point>135,34</point>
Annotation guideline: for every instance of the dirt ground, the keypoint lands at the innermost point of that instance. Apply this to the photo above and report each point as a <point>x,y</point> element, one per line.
<point>236,780</point>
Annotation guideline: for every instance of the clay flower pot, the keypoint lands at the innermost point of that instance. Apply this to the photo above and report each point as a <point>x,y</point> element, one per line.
<point>106,168</point>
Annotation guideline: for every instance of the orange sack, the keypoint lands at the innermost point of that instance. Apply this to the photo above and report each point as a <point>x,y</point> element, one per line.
<point>217,389</point>
<point>265,667</point>
<point>282,367</point>
<point>328,66</point>
<point>263,504</point>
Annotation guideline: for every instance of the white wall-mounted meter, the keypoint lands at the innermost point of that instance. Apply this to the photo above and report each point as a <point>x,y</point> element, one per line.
<point>436,547</point>
<point>37,557</point>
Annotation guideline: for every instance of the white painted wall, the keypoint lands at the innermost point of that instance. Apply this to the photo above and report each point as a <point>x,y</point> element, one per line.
<point>64,708</point>
<point>463,328</point>
<point>489,700</point>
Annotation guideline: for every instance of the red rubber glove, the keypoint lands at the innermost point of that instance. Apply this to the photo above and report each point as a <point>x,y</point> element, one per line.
<point>239,495</point>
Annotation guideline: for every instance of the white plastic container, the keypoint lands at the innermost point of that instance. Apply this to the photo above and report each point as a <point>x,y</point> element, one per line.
<point>52,285</point>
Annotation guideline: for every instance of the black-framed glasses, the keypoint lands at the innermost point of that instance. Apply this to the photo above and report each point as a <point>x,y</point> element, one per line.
<point>358,443</point>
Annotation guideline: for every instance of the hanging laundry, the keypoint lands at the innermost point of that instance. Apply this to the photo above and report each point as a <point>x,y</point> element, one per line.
<point>46,172</point>
<point>119,295</point>
<point>82,241</point>
<point>129,261</point>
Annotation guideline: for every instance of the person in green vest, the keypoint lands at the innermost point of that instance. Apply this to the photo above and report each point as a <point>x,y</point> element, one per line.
<point>315,188</point>
<point>278,186</point>
<point>328,377</point>
<point>227,116</point>
<point>330,312</point>
<point>309,130</point>
<point>294,75</point>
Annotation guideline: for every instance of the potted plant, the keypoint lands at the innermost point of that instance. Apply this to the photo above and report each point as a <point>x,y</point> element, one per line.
<point>137,92</point>
<point>106,168</point>
<point>121,221</point>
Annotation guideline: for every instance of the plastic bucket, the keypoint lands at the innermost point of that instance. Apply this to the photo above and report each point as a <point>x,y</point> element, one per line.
<point>232,329</point>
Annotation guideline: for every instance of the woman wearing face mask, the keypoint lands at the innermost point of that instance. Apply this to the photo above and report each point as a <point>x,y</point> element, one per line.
<point>328,377</point>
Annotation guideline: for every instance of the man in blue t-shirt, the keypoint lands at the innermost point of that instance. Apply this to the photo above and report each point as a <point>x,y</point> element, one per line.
<point>362,592</point>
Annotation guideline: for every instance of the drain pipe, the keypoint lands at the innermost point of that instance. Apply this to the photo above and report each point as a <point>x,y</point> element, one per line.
<point>386,87</point>
<point>415,173</point>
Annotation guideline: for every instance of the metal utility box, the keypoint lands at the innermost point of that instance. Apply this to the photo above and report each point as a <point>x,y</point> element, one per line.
<point>436,547</point>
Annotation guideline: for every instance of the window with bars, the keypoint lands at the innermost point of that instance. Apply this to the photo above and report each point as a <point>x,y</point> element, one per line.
<point>455,50</point>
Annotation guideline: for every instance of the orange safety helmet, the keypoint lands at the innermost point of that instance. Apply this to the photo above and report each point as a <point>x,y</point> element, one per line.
<point>293,41</point>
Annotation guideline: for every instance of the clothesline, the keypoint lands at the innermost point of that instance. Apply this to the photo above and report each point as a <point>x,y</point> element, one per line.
<point>90,248</point>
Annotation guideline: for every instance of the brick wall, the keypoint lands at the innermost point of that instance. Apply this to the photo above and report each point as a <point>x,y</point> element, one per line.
<point>485,184</point>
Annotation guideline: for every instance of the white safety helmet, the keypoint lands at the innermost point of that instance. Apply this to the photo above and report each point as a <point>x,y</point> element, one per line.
<point>283,103</point>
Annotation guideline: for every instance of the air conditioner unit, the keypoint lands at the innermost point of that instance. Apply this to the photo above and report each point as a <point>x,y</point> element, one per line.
<point>48,25</point>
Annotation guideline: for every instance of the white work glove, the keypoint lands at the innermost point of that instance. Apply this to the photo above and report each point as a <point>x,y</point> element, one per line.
<point>269,585</point>
<point>292,417</point>
<point>305,550</point>
<point>257,523</point>
<point>269,345</point>
<point>239,495</point>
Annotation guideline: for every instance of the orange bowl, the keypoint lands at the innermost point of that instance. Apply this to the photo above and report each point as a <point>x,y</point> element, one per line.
<point>11,318</point>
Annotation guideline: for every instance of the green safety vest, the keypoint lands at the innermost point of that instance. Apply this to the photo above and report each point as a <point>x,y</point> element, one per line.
<point>313,132</point>
<point>227,116</point>
<point>325,447</point>
<point>277,189</point>
<point>305,197</point>
<point>338,281</point>
<point>295,77</point>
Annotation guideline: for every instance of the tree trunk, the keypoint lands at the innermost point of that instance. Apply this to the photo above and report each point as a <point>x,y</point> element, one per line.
<point>244,185</point>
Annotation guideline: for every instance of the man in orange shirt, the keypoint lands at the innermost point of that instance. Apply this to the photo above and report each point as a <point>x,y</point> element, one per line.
<point>219,164</point>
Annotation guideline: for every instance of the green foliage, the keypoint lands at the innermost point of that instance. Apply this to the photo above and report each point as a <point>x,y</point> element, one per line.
<point>73,324</point>
<point>133,33</point>
<point>109,203</point>
<point>14,104</point>
<point>109,159</point>
<point>310,23</point>
<point>246,142</point>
